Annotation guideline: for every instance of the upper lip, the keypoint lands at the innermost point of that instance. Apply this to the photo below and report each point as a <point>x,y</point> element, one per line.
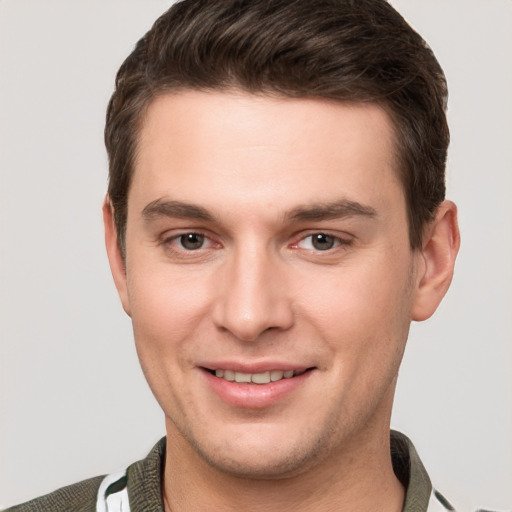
<point>257,367</point>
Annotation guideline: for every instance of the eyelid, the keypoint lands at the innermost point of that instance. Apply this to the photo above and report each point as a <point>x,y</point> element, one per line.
<point>340,238</point>
<point>168,239</point>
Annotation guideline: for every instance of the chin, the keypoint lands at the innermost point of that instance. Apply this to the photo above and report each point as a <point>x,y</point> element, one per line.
<point>281,465</point>
<point>260,454</point>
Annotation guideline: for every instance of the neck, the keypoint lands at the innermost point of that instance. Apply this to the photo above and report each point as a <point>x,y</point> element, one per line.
<point>359,478</point>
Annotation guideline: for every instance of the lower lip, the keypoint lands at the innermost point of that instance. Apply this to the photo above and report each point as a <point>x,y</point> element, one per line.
<point>254,396</point>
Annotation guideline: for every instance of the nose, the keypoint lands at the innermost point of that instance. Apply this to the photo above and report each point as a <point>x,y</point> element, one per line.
<point>252,296</point>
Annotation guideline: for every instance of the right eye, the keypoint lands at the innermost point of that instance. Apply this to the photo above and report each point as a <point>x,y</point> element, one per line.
<point>191,241</point>
<point>188,245</point>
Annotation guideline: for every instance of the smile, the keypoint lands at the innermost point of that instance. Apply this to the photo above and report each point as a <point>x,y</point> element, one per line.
<point>257,378</point>
<point>251,386</point>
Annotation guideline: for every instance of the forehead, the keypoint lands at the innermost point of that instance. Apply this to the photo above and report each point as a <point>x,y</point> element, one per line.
<point>244,149</point>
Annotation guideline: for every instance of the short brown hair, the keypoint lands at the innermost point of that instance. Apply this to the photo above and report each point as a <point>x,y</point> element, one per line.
<point>346,50</point>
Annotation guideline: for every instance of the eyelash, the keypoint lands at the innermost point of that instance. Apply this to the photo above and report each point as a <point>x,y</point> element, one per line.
<point>168,242</point>
<point>337,242</point>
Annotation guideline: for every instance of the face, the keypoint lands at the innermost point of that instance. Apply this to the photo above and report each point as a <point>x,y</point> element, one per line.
<point>268,276</point>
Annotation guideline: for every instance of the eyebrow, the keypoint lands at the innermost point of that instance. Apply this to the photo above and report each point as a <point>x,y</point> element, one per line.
<point>166,208</point>
<point>316,212</point>
<point>333,210</point>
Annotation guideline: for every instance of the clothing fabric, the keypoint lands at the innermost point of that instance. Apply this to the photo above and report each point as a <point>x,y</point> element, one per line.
<point>138,489</point>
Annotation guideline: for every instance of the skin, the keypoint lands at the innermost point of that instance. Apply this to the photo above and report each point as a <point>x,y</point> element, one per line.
<point>257,177</point>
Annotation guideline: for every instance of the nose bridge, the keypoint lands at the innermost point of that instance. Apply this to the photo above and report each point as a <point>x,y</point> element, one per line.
<point>252,293</point>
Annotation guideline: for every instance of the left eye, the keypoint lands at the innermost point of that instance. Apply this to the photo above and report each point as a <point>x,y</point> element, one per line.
<point>319,242</point>
<point>191,241</point>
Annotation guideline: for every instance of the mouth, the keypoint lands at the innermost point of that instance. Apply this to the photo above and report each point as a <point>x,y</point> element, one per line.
<point>258,387</point>
<point>260,378</point>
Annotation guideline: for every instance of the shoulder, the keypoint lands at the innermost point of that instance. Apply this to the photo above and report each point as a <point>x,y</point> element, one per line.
<point>141,479</point>
<point>79,497</point>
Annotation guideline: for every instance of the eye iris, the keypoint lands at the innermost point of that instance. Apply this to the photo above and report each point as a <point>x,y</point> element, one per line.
<point>322,242</point>
<point>192,241</point>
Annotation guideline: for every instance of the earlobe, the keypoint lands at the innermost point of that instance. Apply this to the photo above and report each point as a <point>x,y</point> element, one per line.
<point>115,258</point>
<point>439,251</point>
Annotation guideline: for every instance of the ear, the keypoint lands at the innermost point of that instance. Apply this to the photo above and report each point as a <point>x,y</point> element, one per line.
<point>115,258</point>
<point>437,260</point>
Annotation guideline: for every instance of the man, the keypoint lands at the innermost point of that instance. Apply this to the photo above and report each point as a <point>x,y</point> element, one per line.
<point>274,221</point>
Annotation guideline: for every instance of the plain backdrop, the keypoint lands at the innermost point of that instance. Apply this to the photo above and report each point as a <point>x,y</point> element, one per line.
<point>73,401</point>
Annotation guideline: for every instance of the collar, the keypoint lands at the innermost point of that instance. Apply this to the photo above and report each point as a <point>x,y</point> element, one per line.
<point>145,477</point>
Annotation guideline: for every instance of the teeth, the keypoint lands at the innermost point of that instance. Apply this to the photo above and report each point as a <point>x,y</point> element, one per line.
<point>256,378</point>
<point>261,378</point>
<point>242,377</point>
<point>229,375</point>
<point>276,375</point>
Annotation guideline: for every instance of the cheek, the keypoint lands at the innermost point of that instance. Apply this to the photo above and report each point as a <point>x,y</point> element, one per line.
<point>364,324</point>
<point>363,310</point>
<point>167,315</point>
<point>167,307</point>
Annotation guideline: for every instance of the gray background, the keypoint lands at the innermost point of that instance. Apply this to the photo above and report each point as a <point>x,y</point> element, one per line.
<point>73,402</point>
